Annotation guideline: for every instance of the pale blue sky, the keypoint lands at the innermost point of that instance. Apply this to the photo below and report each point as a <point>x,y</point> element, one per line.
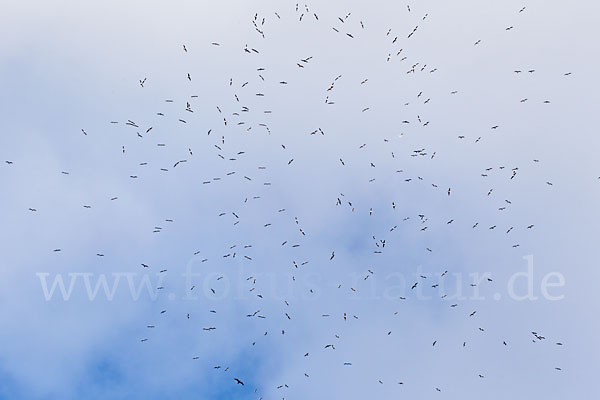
<point>72,65</point>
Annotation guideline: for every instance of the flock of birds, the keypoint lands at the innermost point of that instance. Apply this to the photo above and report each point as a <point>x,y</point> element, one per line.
<point>234,122</point>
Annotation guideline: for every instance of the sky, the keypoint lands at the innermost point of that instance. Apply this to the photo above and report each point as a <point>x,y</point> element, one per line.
<point>335,199</point>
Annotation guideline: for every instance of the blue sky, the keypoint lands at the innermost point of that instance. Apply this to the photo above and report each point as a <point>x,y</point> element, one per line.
<point>250,220</point>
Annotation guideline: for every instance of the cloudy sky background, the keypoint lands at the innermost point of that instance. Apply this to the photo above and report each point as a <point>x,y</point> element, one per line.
<point>68,66</point>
